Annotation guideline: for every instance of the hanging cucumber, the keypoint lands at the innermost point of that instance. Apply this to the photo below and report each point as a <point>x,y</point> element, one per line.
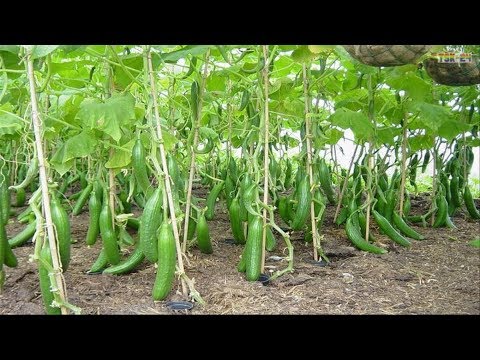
<point>20,197</point>
<point>149,225</point>
<point>140,168</point>
<point>94,209</point>
<point>211,199</point>
<point>107,232</point>
<point>62,226</point>
<point>30,175</point>
<point>45,283</point>
<point>203,234</point>
<point>254,248</point>
<point>82,200</point>
<point>304,198</point>
<point>326,182</point>
<point>166,262</point>
<point>354,235</point>
<point>404,228</point>
<point>100,263</point>
<point>389,230</point>
<point>236,222</point>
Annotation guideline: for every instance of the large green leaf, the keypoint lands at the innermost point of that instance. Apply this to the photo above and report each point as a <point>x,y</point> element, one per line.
<point>121,157</point>
<point>429,115</point>
<point>174,56</point>
<point>77,146</point>
<point>415,87</point>
<point>109,116</point>
<point>358,122</point>
<point>303,54</point>
<point>451,128</point>
<point>9,124</point>
<point>43,50</point>
<point>10,48</point>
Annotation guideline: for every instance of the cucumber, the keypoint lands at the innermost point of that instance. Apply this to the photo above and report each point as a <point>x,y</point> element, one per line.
<point>133,223</point>
<point>236,222</point>
<point>45,284</point>
<point>135,259</point>
<point>454,190</point>
<point>283,208</point>
<point>94,210</point>
<point>442,211</point>
<point>4,198</point>
<point>192,228</point>
<point>326,181</point>
<point>254,248</point>
<point>354,235</point>
<point>166,262</point>
<point>470,204</point>
<point>362,220</point>
<point>82,199</point>
<point>203,234</point>
<point>211,198</point>
<point>271,241</point>
<point>20,197</point>
<point>30,175</point>
<point>140,168</point>
<point>62,226</point>
<point>229,190</point>
<point>304,198</point>
<point>404,228</point>
<point>23,236</point>
<point>3,247</point>
<point>149,225</point>
<point>245,99</point>
<point>100,263</point>
<point>389,230</point>
<point>107,232</point>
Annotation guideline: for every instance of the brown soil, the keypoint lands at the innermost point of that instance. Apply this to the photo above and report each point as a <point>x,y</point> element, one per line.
<point>439,275</point>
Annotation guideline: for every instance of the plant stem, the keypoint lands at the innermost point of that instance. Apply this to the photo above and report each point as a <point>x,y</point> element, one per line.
<point>265,149</point>
<point>42,164</point>
<point>196,125</point>
<point>404,163</point>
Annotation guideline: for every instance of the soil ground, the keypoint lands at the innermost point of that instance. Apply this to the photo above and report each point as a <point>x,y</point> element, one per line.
<point>439,275</point>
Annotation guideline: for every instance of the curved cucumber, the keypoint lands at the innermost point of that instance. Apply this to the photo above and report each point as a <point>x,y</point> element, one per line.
<point>62,226</point>
<point>253,249</point>
<point>135,259</point>
<point>23,236</point>
<point>166,262</point>
<point>211,198</point>
<point>139,167</point>
<point>149,224</point>
<point>82,199</point>
<point>304,198</point>
<point>470,204</point>
<point>271,241</point>
<point>354,235</point>
<point>108,234</point>
<point>442,211</point>
<point>203,235</point>
<point>326,182</point>
<point>100,263</point>
<point>94,210</point>
<point>404,228</point>
<point>236,221</point>
<point>389,230</point>
<point>45,284</point>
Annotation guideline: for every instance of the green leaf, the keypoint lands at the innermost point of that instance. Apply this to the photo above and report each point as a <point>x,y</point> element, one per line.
<point>415,87</point>
<point>77,146</point>
<point>215,83</point>
<point>317,49</point>
<point>333,135</point>
<point>421,142</point>
<point>451,128</point>
<point>174,56</point>
<point>386,135</point>
<point>43,50</point>
<point>109,116</point>
<point>9,124</point>
<point>10,48</point>
<point>430,116</point>
<point>121,157</point>
<point>303,54</point>
<point>358,122</point>
<point>169,141</point>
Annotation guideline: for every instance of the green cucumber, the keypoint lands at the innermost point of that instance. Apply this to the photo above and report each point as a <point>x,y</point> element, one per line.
<point>133,223</point>
<point>211,198</point>
<point>23,236</point>
<point>254,248</point>
<point>62,226</point>
<point>236,222</point>
<point>389,230</point>
<point>128,265</point>
<point>271,241</point>
<point>149,225</point>
<point>470,204</point>
<point>45,284</point>
<point>326,181</point>
<point>166,262</point>
<point>82,199</point>
<point>100,263</point>
<point>203,234</point>
<point>107,232</point>
<point>442,211</point>
<point>304,198</point>
<point>404,228</point>
<point>20,197</point>
<point>140,168</point>
<point>94,210</point>
<point>354,235</point>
